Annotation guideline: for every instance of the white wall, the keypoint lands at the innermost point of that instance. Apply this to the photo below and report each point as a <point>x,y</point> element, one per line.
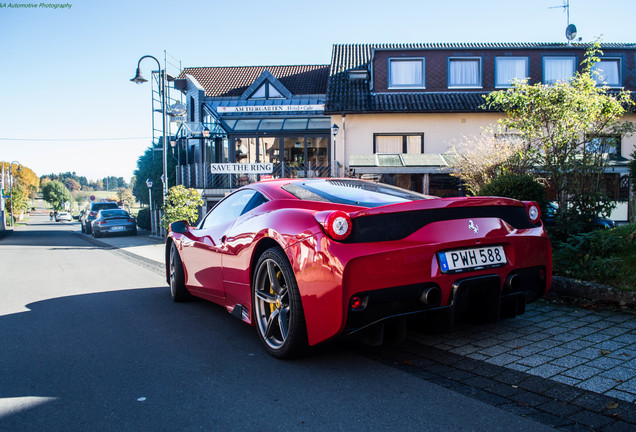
<point>441,131</point>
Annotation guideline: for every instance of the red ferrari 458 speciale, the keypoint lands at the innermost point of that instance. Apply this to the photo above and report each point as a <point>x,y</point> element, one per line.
<point>306,260</point>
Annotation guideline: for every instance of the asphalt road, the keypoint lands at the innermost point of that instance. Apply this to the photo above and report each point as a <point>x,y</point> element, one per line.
<point>90,341</point>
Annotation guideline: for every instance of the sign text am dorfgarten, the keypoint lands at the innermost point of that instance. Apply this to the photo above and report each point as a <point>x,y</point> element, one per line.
<point>269,108</point>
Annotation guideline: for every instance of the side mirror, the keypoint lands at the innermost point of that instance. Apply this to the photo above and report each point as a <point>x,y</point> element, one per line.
<point>180,227</point>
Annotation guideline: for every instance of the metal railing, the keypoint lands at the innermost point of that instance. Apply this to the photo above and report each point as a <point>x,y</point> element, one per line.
<point>155,224</point>
<point>199,176</point>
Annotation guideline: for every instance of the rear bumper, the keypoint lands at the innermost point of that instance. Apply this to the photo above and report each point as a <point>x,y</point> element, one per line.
<point>392,278</point>
<point>487,296</point>
<point>107,230</point>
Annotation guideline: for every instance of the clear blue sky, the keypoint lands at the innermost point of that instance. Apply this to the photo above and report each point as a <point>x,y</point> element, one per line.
<point>64,74</point>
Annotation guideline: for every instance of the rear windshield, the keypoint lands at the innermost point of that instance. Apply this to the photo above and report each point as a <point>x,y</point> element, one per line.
<point>114,213</point>
<point>106,205</point>
<point>352,192</point>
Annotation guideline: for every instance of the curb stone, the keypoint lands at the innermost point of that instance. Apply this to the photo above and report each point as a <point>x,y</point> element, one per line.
<point>593,291</point>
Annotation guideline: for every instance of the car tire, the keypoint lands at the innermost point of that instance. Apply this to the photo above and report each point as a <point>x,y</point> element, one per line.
<point>178,290</point>
<point>278,311</point>
<point>95,234</point>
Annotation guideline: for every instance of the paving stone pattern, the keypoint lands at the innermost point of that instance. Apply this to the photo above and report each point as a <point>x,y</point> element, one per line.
<point>587,349</point>
<point>571,368</point>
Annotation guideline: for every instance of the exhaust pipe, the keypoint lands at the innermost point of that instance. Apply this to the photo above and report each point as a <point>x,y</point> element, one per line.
<point>431,296</point>
<point>513,283</point>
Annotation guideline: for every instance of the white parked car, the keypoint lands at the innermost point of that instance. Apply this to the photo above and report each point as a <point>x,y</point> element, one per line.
<point>63,216</point>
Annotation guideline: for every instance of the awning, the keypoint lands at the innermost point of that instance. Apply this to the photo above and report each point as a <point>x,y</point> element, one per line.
<point>425,163</point>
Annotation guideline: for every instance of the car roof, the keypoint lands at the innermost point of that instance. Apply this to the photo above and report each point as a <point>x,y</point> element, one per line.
<point>105,204</point>
<point>276,189</point>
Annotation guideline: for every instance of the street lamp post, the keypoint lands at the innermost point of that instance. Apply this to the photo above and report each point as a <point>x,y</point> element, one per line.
<point>334,132</point>
<point>149,184</point>
<point>11,187</point>
<point>139,79</point>
<point>205,133</point>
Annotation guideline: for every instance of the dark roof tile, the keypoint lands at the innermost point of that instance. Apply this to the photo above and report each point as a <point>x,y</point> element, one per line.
<point>233,81</point>
<point>346,95</point>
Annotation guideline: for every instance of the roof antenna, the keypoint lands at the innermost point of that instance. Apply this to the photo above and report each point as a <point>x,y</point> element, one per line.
<point>570,30</point>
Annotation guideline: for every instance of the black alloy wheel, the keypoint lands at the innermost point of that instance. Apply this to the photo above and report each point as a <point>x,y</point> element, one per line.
<point>278,311</point>
<point>178,290</point>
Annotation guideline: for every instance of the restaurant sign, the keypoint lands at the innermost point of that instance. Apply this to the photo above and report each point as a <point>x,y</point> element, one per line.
<point>269,108</point>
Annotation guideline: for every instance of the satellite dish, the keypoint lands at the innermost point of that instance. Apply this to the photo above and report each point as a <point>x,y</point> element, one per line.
<point>570,32</point>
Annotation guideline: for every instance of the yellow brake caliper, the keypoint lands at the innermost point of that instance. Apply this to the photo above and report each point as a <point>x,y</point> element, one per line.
<point>272,306</point>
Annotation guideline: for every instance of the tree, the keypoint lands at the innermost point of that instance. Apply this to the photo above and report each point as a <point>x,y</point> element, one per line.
<point>56,194</point>
<point>20,200</point>
<point>23,176</point>
<point>480,159</point>
<point>25,186</point>
<point>125,197</point>
<point>150,166</point>
<point>72,185</point>
<point>561,125</point>
<point>632,169</point>
<point>181,204</point>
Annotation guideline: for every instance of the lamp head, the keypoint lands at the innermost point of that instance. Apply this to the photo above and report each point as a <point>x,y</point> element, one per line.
<point>139,79</point>
<point>205,133</point>
<point>149,183</point>
<point>334,129</point>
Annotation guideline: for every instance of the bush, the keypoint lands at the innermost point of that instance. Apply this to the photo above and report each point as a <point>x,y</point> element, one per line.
<point>592,256</point>
<point>181,204</point>
<point>521,187</point>
<point>143,218</point>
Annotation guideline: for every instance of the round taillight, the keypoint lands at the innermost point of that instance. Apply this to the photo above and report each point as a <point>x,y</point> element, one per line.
<point>338,225</point>
<point>534,212</point>
<point>358,303</point>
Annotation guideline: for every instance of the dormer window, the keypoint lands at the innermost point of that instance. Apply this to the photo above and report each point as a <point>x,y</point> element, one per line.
<point>407,73</point>
<point>464,72</point>
<point>266,91</point>
<point>608,72</point>
<point>509,69</point>
<point>558,69</point>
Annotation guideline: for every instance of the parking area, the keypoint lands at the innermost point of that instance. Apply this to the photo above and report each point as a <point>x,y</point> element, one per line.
<point>593,350</point>
<point>569,367</point>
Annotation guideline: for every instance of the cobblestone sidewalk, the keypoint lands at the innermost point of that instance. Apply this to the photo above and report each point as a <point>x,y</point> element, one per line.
<point>591,350</point>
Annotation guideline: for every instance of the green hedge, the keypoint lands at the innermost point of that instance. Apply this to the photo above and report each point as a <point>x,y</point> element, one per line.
<point>143,218</point>
<point>521,187</point>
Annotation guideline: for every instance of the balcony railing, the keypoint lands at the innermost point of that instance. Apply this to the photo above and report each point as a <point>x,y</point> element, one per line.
<point>199,176</point>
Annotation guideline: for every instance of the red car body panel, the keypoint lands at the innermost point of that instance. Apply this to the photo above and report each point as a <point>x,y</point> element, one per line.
<point>218,263</point>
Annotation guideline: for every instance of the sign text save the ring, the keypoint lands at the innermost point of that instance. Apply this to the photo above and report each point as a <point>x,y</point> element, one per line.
<point>241,168</point>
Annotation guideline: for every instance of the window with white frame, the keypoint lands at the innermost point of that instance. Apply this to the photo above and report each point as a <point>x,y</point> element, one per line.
<point>608,72</point>
<point>507,69</point>
<point>398,143</point>
<point>464,72</point>
<point>407,73</point>
<point>266,91</point>
<point>558,69</point>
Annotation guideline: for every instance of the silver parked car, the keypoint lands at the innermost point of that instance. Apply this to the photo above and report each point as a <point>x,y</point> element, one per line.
<point>63,216</point>
<point>113,221</point>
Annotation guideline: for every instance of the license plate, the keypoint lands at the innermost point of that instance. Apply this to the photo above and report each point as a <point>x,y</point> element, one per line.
<point>117,228</point>
<point>460,260</point>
